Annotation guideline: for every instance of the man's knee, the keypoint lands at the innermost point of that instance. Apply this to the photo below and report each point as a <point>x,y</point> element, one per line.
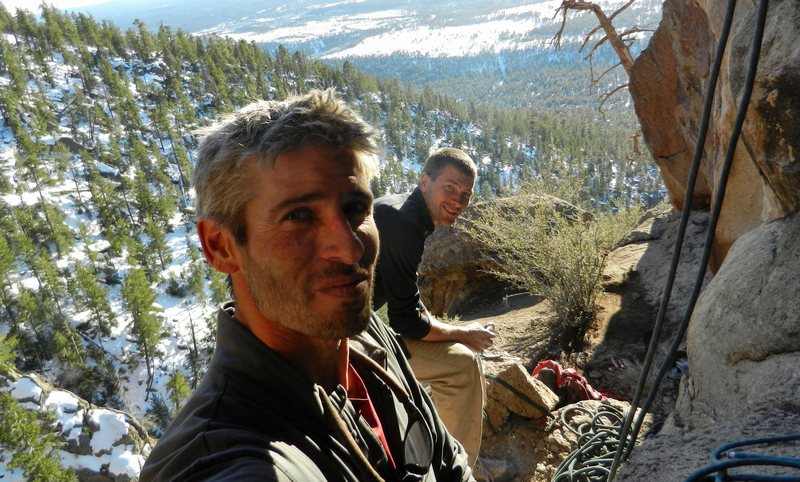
<point>466,360</point>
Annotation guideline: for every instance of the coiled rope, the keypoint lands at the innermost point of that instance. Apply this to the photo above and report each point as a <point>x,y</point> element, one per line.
<point>597,444</point>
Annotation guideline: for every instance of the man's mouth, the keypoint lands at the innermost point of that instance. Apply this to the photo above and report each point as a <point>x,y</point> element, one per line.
<point>346,287</point>
<point>451,212</point>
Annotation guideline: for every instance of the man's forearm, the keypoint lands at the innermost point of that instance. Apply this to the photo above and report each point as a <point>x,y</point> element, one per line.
<point>441,331</point>
<point>474,336</point>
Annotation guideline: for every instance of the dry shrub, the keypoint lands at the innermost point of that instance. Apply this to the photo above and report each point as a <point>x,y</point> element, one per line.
<point>549,247</point>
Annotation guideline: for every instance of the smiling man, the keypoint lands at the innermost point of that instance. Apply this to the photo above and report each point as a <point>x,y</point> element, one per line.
<point>443,355</point>
<point>305,383</point>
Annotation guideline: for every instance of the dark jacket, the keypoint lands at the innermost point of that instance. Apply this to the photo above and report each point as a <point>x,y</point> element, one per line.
<point>403,224</point>
<point>256,417</point>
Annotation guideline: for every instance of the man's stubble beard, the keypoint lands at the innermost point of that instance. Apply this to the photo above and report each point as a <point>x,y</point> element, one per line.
<point>277,302</point>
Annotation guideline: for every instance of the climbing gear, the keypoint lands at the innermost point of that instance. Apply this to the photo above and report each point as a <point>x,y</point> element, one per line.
<point>568,384</point>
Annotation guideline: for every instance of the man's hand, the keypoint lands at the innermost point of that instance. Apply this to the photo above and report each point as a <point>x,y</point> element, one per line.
<point>473,336</point>
<point>476,337</point>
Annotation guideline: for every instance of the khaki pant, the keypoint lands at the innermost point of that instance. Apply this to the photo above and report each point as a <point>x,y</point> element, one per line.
<point>455,375</point>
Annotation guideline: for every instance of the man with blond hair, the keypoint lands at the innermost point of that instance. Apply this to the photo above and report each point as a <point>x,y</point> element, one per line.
<point>306,384</point>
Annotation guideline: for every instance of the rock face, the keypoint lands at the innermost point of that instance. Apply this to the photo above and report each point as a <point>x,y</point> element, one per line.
<point>744,353</point>
<point>748,300</point>
<point>515,391</point>
<point>743,340</point>
<point>673,456</point>
<point>453,272</point>
<point>668,83</point>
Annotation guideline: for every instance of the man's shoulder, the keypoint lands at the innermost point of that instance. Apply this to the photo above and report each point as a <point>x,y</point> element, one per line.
<point>391,202</point>
<point>389,212</point>
<point>236,454</point>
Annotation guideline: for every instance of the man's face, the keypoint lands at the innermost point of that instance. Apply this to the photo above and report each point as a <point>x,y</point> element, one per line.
<point>448,195</point>
<point>311,242</point>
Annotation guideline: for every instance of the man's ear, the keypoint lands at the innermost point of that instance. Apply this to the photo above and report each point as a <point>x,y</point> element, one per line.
<point>218,244</point>
<point>424,182</point>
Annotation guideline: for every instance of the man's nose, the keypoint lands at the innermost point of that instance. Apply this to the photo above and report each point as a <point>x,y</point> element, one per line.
<point>340,241</point>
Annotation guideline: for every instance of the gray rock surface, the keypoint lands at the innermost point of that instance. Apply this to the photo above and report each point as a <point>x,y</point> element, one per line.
<point>744,337</point>
<point>673,456</point>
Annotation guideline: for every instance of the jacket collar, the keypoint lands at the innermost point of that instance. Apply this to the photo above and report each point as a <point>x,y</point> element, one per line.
<point>415,207</point>
<point>241,355</point>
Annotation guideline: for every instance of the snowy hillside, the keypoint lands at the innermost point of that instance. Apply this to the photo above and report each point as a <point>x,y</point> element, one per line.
<point>500,52</point>
<point>350,29</point>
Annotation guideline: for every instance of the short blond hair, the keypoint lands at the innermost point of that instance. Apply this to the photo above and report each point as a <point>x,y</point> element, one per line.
<point>261,131</point>
<point>449,156</point>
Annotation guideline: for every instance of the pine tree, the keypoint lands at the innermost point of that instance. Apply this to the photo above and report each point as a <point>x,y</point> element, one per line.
<point>27,28</point>
<point>220,291</point>
<point>10,63</point>
<point>7,22</point>
<point>51,296</point>
<point>8,348</point>
<point>7,266</point>
<point>32,315</point>
<point>33,449</point>
<point>113,37</point>
<point>53,33</point>
<point>178,389</point>
<point>107,206</point>
<point>158,243</point>
<point>197,271</point>
<point>138,299</point>
<point>93,296</point>
<point>159,411</point>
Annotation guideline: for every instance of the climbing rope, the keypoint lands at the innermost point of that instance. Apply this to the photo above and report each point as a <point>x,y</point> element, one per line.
<point>719,197</point>
<point>597,444</point>
<point>725,458</point>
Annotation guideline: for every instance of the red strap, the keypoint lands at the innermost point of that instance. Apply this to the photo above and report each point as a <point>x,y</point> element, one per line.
<point>359,397</point>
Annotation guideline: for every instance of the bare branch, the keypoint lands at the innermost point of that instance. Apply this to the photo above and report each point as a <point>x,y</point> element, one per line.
<point>605,23</point>
<point>635,144</point>
<point>607,95</point>
<point>606,71</point>
<point>635,30</point>
<point>588,37</point>
<point>635,138</point>
<point>557,37</point>
<point>620,9</point>
<point>620,41</point>
<point>596,46</point>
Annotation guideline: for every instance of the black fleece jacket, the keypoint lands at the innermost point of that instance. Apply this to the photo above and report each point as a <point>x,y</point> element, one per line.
<point>256,417</point>
<point>403,223</point>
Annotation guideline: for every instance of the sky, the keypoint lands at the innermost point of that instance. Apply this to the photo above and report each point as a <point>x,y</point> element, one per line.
<point>33,5</point>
